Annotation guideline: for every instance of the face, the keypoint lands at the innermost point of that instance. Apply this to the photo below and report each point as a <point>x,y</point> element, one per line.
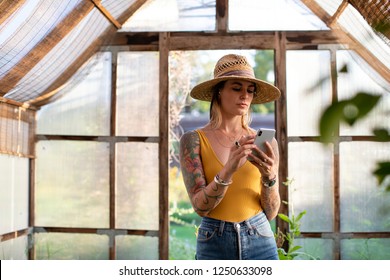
<point>237,96</point>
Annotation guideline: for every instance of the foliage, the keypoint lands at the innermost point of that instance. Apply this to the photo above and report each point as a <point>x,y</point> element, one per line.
<point>350,111</point>
<point>294,232</point>
<point>290,236</point>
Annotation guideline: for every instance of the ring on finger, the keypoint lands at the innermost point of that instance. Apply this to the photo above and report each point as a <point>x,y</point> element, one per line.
<point>238,145</point>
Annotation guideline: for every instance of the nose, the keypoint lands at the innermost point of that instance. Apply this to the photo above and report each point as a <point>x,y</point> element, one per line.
<point>244,94</point>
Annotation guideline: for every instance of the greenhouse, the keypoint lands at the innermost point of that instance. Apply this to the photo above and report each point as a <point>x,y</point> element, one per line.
<point>94,97</point>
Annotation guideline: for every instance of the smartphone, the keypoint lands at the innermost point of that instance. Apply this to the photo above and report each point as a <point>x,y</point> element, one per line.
<point>263,135</point>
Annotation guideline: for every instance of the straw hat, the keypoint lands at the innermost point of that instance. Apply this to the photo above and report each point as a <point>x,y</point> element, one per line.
<point>234,66</point>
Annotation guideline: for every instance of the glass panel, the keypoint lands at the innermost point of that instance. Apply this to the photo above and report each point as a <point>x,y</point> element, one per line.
<point>272,15</point>
<point>359,79</point>
<point>173,15</point>
<point>365,249</point>
<point>306,98</point>
<point>363,206</point>
<point>117,7</point>
<point>72,184</point>
<point>355,25</point>
<point>330,6</point>
<point>85,108</point>
<point>314,248</point>
<point>16,130</point>
<point>138,94</point>
<point>70,246</point>
<point>14,190</point>
<point>137,189</point>
<point>136,248</point>
<point>310,169</point>
<point>14,249</point>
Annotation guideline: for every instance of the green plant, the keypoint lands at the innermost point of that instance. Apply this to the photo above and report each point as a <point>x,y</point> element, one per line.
<point>291,235</point>
<point>294,231</point>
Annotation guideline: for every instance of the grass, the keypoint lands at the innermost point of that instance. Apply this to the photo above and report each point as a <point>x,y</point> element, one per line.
<point>182,242</point>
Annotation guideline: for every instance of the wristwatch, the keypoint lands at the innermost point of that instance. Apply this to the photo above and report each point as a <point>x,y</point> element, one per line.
<point>269,183</point>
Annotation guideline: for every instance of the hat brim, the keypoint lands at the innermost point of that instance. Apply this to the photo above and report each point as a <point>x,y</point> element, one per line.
<point>266,92</point>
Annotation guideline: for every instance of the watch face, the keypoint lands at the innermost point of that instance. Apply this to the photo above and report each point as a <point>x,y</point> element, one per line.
<point>270,183</point>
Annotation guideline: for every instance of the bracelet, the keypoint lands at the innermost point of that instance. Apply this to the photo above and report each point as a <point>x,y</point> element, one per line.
<point>221,182</point>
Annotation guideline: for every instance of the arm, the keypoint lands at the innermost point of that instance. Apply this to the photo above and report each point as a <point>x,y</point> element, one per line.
<point>203,197</point>
<point>268,165</point>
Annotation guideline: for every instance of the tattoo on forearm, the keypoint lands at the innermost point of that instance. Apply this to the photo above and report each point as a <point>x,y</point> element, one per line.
<point>203,198</point>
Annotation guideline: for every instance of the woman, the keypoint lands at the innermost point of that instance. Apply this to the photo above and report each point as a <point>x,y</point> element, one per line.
<point>234,191</point>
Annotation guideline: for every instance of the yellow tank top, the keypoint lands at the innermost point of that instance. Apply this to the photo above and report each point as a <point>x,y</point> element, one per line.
<point>242,199</point>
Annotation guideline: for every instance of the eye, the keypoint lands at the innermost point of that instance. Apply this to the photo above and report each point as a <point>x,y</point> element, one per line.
<point>251,91</point>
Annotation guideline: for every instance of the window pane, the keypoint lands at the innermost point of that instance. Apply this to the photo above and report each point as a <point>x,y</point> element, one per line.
<point>14,249</point>
<point>359,78</point>
<point>83,109</point>
<point>314,248</point>
<point>364,206</point>
<point>365,249</point>
<point>72,184</point>
<point>14,190</point>
<point>138,94</point>
<point>70,246</point>
<point>137,187</point>
<point>16,130</point>
<point>173,15</point>
<point>310,168</point>
<point>272,15</point>
<point>305,101</point>
<point>136,248</point>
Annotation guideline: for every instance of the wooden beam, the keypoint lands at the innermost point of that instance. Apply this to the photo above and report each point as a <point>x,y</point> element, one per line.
<point>8,7</point>
<point>106,13</point>
<point>281,123</point>
<point>333,20</point>
<point>233,40</point>
<point>222,15</point>
<point>32,58</point>
<point>163,147</point>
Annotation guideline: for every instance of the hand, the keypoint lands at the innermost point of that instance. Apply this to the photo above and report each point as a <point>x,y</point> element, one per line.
<point>239,153</point>
<point>266,162</point>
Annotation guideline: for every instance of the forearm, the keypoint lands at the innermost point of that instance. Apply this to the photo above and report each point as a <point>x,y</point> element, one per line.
<point>207,198</point>
<point>270,201</point>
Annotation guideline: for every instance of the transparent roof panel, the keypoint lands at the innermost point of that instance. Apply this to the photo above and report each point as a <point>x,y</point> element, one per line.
<point>354,24</point>
<point>267,15</point>
<point>59,58</point>
<point>27,27</point>
<point>173,15</point>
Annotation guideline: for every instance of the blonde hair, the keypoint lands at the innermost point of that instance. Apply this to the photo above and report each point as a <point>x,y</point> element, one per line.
<point>215,110</point>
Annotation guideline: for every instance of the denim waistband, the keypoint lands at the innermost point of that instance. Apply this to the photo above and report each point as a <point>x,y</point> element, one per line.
<point>250,223</point>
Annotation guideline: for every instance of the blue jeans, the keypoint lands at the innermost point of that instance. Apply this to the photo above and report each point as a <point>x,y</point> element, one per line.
<point>251,239</point>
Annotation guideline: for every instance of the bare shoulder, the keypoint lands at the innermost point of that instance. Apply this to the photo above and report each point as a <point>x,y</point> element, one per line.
<point>189,138</point>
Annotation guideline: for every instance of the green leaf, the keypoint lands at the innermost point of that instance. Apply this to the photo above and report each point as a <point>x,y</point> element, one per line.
<point>329,121</point>
<point>300,216</point>
<point>348,111</point>
<point>284,218</point>
<point>381,172</point>
<point>381,134</point>
<point>344,69</point>
<point>294,249</point>
<point>363,103</point>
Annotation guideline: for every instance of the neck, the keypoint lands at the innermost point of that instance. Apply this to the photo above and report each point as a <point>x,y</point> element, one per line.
<point>231,125</point>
